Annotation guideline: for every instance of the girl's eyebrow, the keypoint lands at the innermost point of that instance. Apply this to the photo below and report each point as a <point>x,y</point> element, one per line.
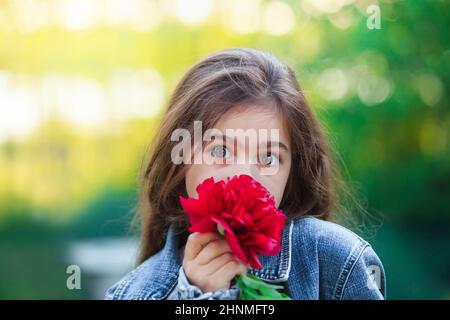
<point>280,144</point>
<point>271,143</point>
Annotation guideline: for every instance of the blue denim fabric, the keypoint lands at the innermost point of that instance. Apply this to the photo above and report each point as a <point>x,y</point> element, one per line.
<point>317,260</point>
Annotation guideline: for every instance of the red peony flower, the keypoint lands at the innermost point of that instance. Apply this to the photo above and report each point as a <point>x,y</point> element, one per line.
<point>244,210</point>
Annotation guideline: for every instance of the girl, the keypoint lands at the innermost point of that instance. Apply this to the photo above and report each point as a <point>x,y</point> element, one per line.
<point>248,90</point>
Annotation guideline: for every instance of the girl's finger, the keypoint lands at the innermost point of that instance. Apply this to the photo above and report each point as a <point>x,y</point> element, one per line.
<point>229,271</point>
<point>217,263</point>
<point>212,250</point>
<point>196,241</point>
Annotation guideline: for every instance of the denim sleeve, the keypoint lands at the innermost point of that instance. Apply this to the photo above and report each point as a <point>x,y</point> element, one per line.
<point>187,291</point>
<point>367,279</point>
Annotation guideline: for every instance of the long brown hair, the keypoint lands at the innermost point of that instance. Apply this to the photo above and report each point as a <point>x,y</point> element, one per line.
<point>210,88</point>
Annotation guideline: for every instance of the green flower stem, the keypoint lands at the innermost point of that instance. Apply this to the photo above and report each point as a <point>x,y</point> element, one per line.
<point>221,229</point>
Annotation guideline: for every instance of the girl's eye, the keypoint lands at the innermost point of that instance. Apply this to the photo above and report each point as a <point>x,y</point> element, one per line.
<point>220,151</point>
<point>269,160</point>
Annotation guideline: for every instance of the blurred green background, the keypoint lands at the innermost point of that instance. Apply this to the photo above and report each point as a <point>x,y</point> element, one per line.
<point>83,84</point>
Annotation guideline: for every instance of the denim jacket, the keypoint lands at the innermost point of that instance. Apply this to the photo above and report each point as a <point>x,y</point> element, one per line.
<point>317,260</point>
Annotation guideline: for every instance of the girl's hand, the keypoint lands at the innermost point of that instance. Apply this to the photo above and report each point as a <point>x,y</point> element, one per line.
<point>209,262</point>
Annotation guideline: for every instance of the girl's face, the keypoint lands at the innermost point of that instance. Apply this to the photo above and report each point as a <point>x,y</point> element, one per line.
<point>235,155</point>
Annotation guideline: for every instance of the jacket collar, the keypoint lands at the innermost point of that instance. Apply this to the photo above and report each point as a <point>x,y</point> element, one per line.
<point>275,268</point>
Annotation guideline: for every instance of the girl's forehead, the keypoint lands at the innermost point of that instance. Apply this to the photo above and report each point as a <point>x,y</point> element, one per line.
<point>254,117</point>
